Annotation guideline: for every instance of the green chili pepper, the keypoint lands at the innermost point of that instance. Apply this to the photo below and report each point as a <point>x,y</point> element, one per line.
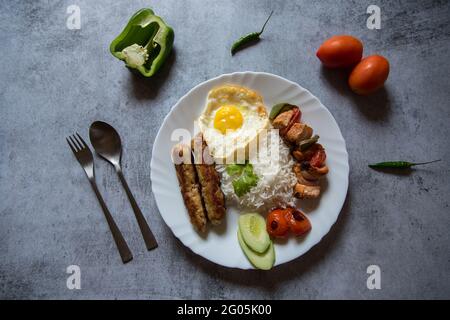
<point>145,42</point>
<point>305,144</point>
<point>399,164</point>
<point>254,36</point>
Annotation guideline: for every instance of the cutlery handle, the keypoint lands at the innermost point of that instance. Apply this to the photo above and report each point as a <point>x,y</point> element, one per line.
<point>147,234</point>
<point>121,244</point>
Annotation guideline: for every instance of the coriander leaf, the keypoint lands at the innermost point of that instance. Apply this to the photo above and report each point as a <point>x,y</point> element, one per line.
<point>245,181</point>
<point>235,169</point>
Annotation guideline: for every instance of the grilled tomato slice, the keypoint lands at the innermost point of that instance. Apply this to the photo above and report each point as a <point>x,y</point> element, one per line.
<point>298,222</point>
<point>277,223</point>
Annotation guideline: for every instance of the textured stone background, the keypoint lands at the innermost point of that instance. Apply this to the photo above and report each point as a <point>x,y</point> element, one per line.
<point>56,81</point>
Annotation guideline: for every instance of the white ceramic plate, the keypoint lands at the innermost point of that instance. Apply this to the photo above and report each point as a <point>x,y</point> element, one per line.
<point>221,245</point>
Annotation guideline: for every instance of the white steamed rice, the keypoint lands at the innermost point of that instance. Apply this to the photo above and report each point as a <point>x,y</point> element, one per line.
<point>276,179</point>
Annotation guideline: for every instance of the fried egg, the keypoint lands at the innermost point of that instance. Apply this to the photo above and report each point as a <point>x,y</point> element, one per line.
<point>233,117</point>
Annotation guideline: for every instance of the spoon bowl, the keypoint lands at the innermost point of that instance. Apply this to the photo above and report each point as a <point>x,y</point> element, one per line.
<point>106,142</point>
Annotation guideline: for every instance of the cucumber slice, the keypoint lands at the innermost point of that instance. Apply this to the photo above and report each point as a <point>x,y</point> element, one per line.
<point>263,261</point>
<point>253,230</point>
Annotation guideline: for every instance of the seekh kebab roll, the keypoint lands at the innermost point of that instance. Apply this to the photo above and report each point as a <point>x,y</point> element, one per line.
<point>200,183</point>
<point>213,197</point>
<point>190,188</point>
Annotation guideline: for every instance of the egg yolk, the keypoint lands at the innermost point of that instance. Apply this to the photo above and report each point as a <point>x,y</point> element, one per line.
<point>228,118</point>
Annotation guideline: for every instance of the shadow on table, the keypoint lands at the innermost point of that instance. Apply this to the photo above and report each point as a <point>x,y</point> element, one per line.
<point>375,107</point>
<point>147,88</point>
<point>269,280</point>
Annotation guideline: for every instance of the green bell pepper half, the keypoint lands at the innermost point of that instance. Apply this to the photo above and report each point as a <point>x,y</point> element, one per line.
<point>148,33</point>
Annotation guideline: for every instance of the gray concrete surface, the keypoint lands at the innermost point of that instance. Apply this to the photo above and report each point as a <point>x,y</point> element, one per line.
<point>57,81</point>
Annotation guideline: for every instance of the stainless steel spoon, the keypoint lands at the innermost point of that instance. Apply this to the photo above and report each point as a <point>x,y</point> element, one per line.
<point>106,142</point>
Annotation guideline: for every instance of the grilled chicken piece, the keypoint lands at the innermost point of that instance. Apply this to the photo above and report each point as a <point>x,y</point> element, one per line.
<point>295,118</point>
<point>302,191</point>
<point>305,189</point>
<point>313,161</point>
<point>301,179</point>
<point>298,155</point>
<point>312,173</point>
<point>213,197</point>
<point>298,132</point>
<point>307,154</point>
<point>190,188</point>
<point>283,119</point>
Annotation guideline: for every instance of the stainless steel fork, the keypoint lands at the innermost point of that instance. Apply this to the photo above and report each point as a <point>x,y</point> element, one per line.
<point>84,156</point>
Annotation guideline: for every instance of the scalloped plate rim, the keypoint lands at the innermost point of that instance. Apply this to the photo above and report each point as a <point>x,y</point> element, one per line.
<point>254,73</point>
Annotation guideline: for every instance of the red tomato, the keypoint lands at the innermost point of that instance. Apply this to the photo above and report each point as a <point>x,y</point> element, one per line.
<point>277,224</point>
<point>369,75</point>
<point>318,159</point>
<point>298,222</point>
<point>340,51</point>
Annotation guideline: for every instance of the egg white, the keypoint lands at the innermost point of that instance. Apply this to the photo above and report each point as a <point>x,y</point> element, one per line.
<point>226,147</point>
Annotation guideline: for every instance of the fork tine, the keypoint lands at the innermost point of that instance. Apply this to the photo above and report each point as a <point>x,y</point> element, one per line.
<point>76,145</point>
<point>71,147</point>
<point>82,141</point>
